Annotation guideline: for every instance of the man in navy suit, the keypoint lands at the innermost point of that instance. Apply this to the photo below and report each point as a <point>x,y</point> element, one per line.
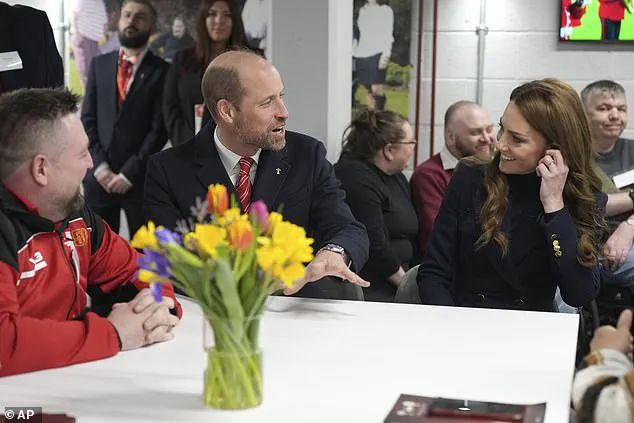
<point>123,119</point>
<point>26,33</point>
<point>252,154</point>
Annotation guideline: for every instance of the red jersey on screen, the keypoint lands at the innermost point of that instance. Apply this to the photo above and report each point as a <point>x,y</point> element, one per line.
<point>613,10</point>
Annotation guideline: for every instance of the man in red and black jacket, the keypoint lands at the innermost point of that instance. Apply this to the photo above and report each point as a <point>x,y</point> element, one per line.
<point>68,292</point>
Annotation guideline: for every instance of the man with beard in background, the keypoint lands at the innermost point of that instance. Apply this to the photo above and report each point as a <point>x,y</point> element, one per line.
<point>122,116</point>
<point>468,132</point>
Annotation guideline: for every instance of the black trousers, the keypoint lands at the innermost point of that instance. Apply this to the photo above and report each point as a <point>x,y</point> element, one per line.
<point>611,29</point>
<point>109,206</point>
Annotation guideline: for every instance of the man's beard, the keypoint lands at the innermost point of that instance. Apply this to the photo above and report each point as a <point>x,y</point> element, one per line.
<point>74,204</point>
<point>263,140</point>
<point>466,151</point>
<point>135,40</point>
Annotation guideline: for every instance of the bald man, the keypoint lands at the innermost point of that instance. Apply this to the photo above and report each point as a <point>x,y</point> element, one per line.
<point>468,132</point>
<point>256,158</point>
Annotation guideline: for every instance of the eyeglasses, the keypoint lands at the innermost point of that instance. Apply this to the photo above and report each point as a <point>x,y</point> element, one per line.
<point>406,143</point>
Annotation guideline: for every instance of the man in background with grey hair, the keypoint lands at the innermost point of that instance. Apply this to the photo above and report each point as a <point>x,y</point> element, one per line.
<point>606,107</point>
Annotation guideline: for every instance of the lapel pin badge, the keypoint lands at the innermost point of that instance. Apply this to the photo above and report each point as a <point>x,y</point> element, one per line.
<point>278,170</point>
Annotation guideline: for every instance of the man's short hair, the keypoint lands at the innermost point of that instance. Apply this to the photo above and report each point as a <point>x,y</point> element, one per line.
<point>454,108</point>
<point>604,86</point>
<point>147,4</point>
<point>223,83</point>
<point>27,117</point>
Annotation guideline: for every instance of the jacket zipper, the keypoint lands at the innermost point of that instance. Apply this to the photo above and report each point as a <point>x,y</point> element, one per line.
<point>72,271</point>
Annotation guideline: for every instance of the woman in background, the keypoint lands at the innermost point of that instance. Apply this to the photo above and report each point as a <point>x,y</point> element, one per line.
<point>509,232</point>
<point>378,146</point>
<point>218,28</point>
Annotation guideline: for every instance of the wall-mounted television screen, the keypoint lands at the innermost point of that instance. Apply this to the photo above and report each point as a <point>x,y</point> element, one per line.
<point>597,20</point>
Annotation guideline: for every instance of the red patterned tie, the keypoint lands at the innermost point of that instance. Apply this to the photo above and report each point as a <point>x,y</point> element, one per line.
<point>244,187</point>
<point>123,78</point>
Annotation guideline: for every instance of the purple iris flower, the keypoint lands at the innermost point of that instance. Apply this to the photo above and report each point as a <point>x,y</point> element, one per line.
<point>165,236</point>
<point>156,288</point>
<point>155,263</point>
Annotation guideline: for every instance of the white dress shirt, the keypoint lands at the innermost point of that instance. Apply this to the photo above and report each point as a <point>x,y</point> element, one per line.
<point>231,161</point>
<point>448,160</point>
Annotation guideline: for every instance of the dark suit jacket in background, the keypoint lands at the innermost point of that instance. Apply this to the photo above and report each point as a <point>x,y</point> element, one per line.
<point>28,31</point>
<point>306,186</point>
<point>125,138</point>
<point>182,92</point>
<point>454,273</point>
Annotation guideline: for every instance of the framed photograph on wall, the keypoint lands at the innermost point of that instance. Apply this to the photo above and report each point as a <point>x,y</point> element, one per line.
<point>381,61</point>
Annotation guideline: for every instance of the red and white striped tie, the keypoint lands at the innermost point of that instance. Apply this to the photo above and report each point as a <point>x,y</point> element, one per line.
<point>244,187</point>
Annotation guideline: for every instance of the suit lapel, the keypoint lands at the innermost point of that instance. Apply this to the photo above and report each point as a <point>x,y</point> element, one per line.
<point>109,79</point>
<point>209,167</point>
<point>273,169</point>
<point>141,76</point>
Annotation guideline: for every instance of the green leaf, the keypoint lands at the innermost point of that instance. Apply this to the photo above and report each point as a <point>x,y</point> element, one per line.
<point>229,292</point>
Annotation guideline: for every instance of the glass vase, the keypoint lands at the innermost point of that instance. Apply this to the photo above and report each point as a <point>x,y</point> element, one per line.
<point>233,376</point>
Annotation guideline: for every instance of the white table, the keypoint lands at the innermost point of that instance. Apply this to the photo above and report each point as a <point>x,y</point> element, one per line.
<point>327,361</point>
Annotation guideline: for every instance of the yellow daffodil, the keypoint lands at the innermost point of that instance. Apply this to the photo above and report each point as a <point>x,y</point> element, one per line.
<point>269,256</point>
<point>145,238</point>
<point>285,252</point>
<point>292,239</point>
<point>289,274</point>
<point>240,234</point>
<point>274,219</point>
<point>208,237</point>
<point>217,199</point>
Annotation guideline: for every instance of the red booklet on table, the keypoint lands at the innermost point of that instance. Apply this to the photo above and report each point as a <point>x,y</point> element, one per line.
<point>416,409</point>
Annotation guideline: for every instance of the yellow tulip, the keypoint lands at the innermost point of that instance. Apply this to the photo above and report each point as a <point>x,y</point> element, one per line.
<point>240,234</point>
<point>145,238</point>
<point>217,199</point>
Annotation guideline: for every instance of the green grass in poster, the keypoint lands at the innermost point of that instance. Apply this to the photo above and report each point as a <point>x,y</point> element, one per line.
<point>397,100</point>
<point>74,83</point>
<point>590,28</point>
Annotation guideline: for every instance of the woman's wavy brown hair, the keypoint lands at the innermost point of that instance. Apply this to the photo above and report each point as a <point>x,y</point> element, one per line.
<point>554,109</point>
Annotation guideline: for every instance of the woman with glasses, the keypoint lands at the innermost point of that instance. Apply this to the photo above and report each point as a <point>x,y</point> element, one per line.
<point>378,146</point>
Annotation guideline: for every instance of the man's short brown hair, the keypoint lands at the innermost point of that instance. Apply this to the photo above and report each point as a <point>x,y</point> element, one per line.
<point>27,118</point>
<point>223,83</point>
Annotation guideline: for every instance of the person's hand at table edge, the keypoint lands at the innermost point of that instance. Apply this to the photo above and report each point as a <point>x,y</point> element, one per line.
<point>326,263</point>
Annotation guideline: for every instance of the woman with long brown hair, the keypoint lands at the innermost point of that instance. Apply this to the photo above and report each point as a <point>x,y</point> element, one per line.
<point>218,28</point>
<point>509,232</point>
